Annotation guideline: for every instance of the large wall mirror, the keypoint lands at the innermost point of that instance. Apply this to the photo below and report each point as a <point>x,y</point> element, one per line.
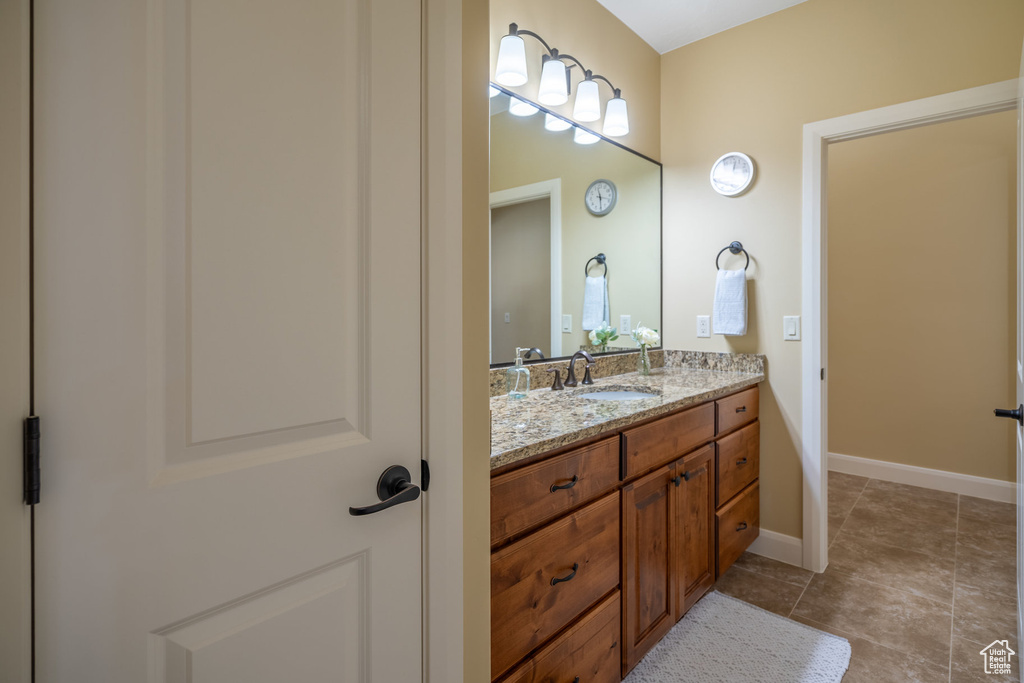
<point>545,241</point>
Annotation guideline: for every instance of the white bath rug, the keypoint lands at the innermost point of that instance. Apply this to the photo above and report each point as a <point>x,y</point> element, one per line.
<point>725,640</point>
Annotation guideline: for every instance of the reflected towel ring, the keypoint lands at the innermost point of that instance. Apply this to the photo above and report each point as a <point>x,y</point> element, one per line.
<point>734,248</point>
<point>600,258</point>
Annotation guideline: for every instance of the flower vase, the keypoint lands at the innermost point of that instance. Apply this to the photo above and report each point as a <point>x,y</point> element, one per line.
<point>643,364</point>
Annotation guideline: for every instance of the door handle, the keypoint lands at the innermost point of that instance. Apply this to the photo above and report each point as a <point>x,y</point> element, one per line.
<point>394,486</point>
<point>1017,414</point>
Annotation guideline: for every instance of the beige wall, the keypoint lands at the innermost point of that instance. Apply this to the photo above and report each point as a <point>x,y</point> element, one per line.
<point>476,469</point>
<point>921,278</point>
<point>520,279</point>
<point>522,152</point>
<point>606,46</point>
<point>751,89</point>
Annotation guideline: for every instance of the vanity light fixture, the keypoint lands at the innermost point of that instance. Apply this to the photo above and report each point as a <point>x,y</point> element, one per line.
<point>555,124</point>
<point>518,107</point>
<point>582,136</point>
<point>555,82</point>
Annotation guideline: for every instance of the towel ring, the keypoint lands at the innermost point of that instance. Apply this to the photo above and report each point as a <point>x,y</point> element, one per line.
<point>734,248</point>
<point>600,258</point>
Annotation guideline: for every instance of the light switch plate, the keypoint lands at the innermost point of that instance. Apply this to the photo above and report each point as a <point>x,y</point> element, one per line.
<point>703,325</point>
<point>567,322</point>
<point>508,317</point>
<point>791,327</point>
<point>625,324</point>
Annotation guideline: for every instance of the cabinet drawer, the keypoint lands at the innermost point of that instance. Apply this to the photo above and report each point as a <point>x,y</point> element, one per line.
<point>535,590</point>
<point>736,410</point>
<point>662,441</point>
<point>738,461</point>
<point>589,651</point>
<point>536,493</point>
<point>738,524</point>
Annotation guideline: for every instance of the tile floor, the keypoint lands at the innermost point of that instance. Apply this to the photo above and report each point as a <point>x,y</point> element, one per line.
<point>919,581</point>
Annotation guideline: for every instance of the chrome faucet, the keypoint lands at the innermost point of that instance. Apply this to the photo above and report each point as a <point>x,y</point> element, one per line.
<point>570,381</point>
<point>532,351</point>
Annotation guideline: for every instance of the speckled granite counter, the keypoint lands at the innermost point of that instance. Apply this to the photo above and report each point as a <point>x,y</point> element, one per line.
<point>546,419</point>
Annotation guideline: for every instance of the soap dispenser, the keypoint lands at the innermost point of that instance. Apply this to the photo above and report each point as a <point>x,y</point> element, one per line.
<point>517,378</point>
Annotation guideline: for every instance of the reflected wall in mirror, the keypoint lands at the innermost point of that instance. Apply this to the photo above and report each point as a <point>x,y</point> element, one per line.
<point>543,235</point>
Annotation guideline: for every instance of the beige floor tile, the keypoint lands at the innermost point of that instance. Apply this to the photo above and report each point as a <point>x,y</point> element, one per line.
<point>989,570</point>
<point>759,589</point>
<point>929,576</point>
<point>884,615</point>
<point>969,664</point>
<point>988,510</point>
<point>797,576</point>
<point>976,533</point>
<point>841,501</point>
<point>911,491</point>
<point>983,617</point>
<point>840,481</point>
<point>874,663</point>
<point>915,523</point>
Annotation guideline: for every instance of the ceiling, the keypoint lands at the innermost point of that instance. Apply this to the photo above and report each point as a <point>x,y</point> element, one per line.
<point>668,24</point>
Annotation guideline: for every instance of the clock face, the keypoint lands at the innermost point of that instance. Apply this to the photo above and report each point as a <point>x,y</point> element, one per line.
<point>732,174</point>
<point>600,197</point>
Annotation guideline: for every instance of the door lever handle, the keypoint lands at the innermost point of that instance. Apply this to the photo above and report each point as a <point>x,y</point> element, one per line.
<point>394,486</point>
<point>1017,414</point>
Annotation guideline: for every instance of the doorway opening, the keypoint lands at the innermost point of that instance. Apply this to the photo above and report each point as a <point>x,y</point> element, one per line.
<point>818,137</point>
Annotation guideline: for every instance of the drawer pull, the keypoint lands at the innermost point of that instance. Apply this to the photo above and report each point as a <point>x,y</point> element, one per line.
<point>742,526</point>
<point>741,461</point>
<point>555,487</point>
<point>576,680</point>
<point>555,581</point>
<point>741,409</point>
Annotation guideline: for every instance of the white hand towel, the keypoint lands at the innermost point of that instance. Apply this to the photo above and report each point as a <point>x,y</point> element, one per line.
<point>730,309</point>
<point>595,303</point>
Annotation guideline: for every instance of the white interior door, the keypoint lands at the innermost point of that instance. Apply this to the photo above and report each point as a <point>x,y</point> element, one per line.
<point>227,316</point>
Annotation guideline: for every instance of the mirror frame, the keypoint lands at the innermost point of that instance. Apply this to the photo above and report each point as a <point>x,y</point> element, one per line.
<point>661,231</point>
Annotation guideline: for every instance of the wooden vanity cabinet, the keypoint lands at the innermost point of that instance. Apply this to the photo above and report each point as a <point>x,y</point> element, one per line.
<point>640,522</point>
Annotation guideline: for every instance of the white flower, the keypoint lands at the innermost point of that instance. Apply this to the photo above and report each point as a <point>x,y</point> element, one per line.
<point>645,336</point>
<point>593,336</point>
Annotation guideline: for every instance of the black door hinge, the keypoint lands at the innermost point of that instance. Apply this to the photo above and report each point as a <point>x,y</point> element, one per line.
<point>823,374</point>
<point>31,461</point>
<point>424,475</point>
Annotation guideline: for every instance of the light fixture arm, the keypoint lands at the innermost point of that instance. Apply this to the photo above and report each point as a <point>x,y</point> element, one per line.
<point>514,30</point>
<point>598,77</point>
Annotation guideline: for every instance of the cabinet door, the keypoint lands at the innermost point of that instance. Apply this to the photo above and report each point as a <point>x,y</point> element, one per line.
<point>695,509</point>
<point>648,559</point>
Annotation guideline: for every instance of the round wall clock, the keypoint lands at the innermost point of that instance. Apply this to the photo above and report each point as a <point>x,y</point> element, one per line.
<point>600,197</point>
<point>732,174</point>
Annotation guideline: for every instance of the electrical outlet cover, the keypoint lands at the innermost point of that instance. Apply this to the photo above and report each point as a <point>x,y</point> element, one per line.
<point>703,325</point>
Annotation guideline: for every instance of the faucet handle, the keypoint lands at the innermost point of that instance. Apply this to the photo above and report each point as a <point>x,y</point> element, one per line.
<point>557,384</point>
<point>586,374</point>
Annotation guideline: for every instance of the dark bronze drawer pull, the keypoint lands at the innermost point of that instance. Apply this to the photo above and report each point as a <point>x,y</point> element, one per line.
<point>555,581</point>
<point>576,680</point>
<point>572,483</point>
<point>741,409</point>
<point>742,526</point>
<point>741,461</point>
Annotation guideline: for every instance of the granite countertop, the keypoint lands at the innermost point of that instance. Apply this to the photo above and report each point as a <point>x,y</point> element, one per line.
<point>546,419</point>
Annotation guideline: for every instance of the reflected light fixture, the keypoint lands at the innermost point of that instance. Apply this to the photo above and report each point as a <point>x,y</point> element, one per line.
<point>582,136</point>
<point>518,107</point>
<point>556,82</point>
<point>555,124</point>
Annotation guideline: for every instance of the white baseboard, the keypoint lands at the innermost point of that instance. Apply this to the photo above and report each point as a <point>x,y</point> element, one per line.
<point>781,547</point>
<point>979,487</point>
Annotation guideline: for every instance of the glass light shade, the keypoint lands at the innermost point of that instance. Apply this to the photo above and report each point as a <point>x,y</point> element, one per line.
<point>518,107</point>
<point>553,89</point>
<point>511,69</point>
<point>555,124</point>
<point>616,122</point>
<point>493,92</point>
<point>588,102</point>
<point>584,137</point>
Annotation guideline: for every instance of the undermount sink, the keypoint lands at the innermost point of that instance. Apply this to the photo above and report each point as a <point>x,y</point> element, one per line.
<point>617,395</point>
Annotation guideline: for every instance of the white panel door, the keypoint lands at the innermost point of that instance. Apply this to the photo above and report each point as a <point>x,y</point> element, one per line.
<point>1020,353</point>
<point>227,325</point>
